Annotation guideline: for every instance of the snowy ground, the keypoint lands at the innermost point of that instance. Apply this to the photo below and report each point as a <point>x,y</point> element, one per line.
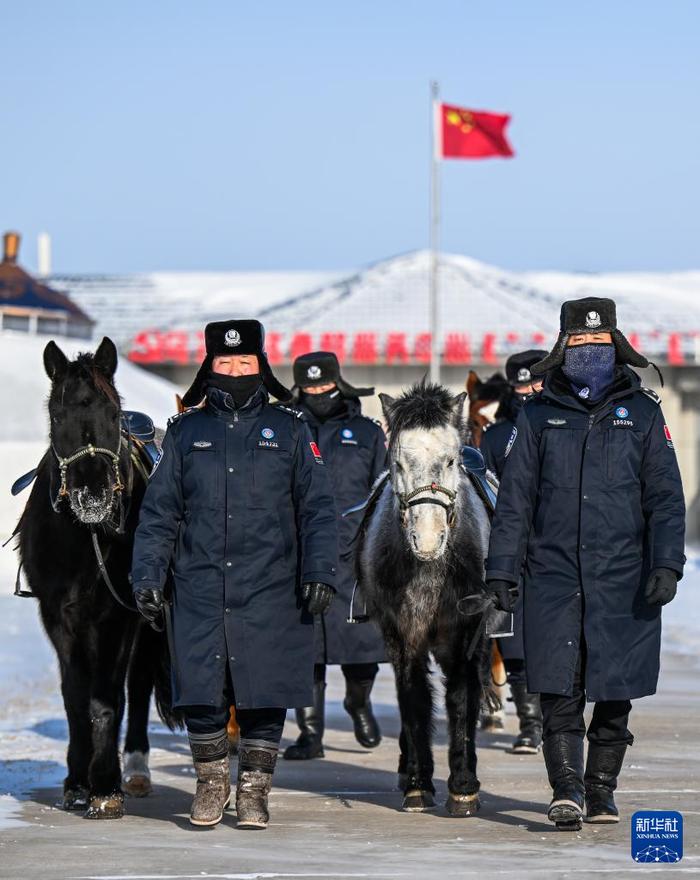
<point>337,817</point>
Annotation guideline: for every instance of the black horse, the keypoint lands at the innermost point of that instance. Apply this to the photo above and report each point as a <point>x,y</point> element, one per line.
<point>83,509</point>
<point>421,561</point>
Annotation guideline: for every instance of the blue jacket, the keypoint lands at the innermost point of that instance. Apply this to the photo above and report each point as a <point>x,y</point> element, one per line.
<point>354,449</point>
<point>590,502</point>
<point>240,507</point>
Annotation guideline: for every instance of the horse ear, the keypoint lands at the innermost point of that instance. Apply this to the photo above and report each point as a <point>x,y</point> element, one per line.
<point>106,357</point>
<point>387,402</point>
<point>471,383</point>
<point>458,408</point>
<point>55,362</point>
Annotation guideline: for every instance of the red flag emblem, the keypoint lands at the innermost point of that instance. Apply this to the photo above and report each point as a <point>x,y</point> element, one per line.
<point>472,134</point>
<point>667,432</point>
<point>317,452</point>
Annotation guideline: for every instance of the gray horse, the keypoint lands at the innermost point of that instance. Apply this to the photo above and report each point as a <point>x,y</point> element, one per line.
<point>420,562</point>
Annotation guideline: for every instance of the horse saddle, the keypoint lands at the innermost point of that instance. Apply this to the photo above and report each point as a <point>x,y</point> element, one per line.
<point>483,480</point>
<point>138,427</point>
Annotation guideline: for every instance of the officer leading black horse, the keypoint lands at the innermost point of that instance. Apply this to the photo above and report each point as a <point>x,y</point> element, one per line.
<point>240,506</point>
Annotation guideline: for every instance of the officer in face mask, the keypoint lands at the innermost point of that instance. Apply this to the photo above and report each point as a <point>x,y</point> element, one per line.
<point>239,506</point>
<point>354,449</point>
<point>522,385</point>
<point>591,509</point>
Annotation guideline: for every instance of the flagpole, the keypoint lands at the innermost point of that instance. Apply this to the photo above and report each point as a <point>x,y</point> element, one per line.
<point>434,292</point>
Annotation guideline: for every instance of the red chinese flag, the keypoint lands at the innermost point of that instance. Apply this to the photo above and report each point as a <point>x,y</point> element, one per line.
<point>471,134</point>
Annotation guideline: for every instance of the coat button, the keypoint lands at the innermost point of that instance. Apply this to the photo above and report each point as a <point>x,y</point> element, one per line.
<point>229,564</point>
<point>217,656</point>
<point>230,516</point>
<point>230,424</point>
<point>583,547</point>
<point>585,497</point>
<point>232,659</point>
<point>227,610</point>
<point>230,470</point>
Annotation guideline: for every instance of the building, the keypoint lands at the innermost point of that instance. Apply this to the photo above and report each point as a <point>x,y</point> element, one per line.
<point>29,306</point>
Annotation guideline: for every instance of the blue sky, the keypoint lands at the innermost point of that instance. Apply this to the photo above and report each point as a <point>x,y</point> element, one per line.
<point>280,135</point>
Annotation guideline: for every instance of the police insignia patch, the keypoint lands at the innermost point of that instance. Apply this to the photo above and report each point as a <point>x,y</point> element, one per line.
<point>667,435</point>
<point>621,412</point>
<point>347,433</point>
<point>267,433</point>
<point>513,435</point>
<point>316,452</point>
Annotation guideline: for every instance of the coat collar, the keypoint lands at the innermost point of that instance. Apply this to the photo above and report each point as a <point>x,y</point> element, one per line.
<point>558,390</point>
<point>221,405</point>
<point>353,408</point>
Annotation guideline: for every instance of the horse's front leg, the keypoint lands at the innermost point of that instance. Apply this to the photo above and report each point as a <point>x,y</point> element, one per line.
<point>106,711</point>
<point>75,688</point>
<point>415,698</point>
<point>462,700</point>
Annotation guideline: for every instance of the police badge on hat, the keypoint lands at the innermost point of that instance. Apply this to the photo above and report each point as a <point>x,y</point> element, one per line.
<point>524,375</point>
<point>232,338</point>
<point>593,320</point>
<point>314,372</point>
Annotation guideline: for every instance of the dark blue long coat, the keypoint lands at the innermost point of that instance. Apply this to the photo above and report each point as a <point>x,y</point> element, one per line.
<point>590,502</point>
<point>354,449</point>
<point>240,506</point>
<point>494,442</point>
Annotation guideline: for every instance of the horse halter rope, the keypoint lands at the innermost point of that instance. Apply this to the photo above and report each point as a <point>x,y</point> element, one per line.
<point>64,464</point>
<point>411,499</point>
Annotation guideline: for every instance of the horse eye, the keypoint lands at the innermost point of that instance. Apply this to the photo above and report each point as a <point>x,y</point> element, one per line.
<point>450,462</point>
<point>85,402</point>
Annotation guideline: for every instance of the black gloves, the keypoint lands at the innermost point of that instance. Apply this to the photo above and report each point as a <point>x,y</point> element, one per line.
<point>503,594</point>
<point>150,604</point>
<point>661,586</point>
<point>318,597</point>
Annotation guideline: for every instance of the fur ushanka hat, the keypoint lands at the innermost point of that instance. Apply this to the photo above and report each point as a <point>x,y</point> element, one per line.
<point>320,368</point>
<point>519,366</point>
<point>591,314</point>
<point>234,337</point>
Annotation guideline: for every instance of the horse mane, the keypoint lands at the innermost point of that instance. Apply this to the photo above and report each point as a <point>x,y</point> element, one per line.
<point>423,405</point>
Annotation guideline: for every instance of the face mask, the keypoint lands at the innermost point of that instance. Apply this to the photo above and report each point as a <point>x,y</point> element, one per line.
<point>590,368</point>
<point>324,405</point>
<point>241,388</point>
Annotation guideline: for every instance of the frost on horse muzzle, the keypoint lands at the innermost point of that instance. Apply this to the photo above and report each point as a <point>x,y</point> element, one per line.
<point>88,506</point>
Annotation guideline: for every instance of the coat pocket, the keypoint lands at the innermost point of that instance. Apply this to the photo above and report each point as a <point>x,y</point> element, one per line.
<point>561,456</point>
<point>201,478</point>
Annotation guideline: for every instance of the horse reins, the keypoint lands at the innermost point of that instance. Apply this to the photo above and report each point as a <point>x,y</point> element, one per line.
<point>411,499</point>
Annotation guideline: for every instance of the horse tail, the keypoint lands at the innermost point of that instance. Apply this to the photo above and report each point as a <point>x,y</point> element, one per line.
<point>162,684</point>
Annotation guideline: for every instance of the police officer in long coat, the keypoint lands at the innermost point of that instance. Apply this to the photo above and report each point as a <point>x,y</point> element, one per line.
<point>240,506</point>
<point>354,449</point>
<point>494,442</point>
<point>591,504</point>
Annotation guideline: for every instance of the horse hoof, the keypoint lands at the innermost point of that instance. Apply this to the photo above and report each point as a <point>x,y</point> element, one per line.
<point>461,805</point>
<point>417,801</point>
<point>137,786</point>
<point>110,806</point>
<point>74,799</point>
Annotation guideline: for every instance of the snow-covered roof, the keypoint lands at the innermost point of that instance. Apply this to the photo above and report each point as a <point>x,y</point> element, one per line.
<point>380,313</point>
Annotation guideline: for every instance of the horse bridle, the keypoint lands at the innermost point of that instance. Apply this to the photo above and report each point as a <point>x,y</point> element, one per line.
<point>411,499</point>
<point>65,463</point>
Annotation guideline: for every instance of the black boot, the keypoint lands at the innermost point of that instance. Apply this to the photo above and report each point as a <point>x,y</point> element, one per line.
<point>309,743</point>
<point>529,740</point>
<point>358,706</point>
<point>602,769</point>
<point>563,756</point>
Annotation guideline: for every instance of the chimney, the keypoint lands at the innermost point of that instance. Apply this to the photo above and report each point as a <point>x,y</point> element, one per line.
<point>10,247</point>
<point>43,247</point>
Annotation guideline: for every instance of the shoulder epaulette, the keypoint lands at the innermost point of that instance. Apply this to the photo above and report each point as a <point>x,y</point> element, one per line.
<point>297,413</point>
<point>185,412</point>
<point>652,395</point>
<point>376,422</point>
